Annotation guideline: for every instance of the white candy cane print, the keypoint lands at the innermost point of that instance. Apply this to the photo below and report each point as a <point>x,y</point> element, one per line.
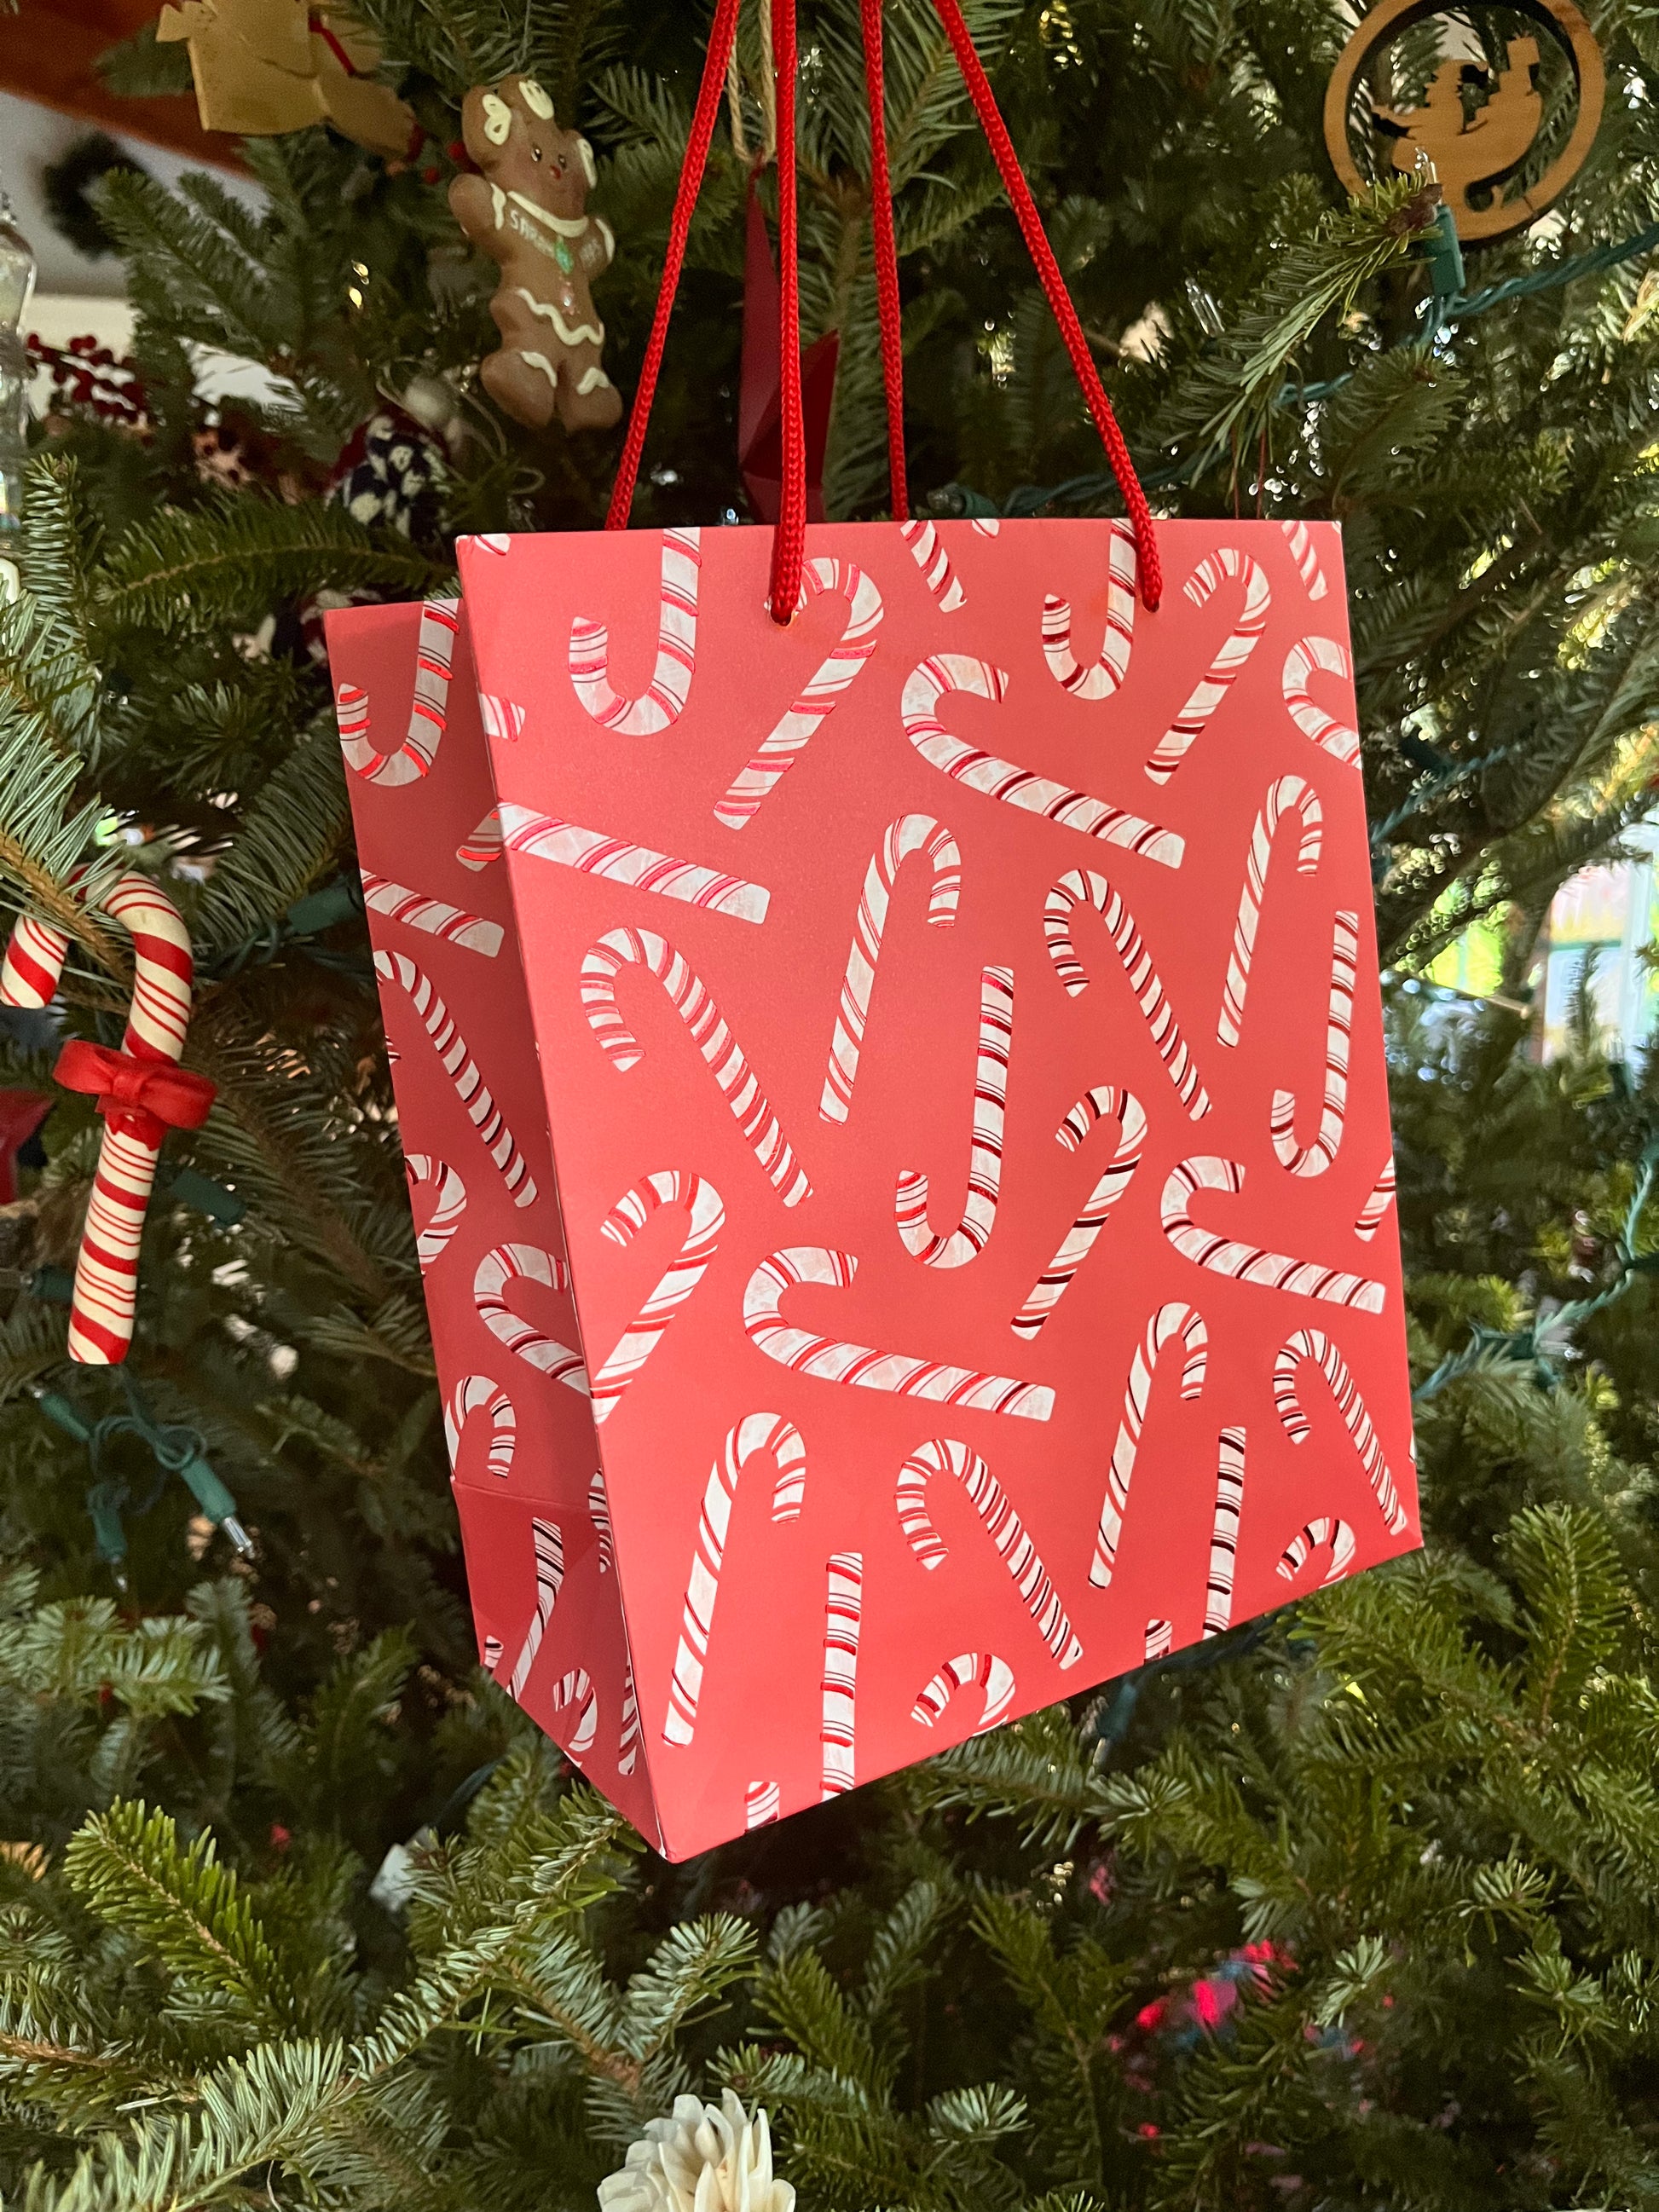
<point>988,525</point>
<point>434,651</point>
<point>1248,1263</point>
<point>928,551</point>
<point>999,779</point>
<point>1313,1344</point>
<point>628,1741</point>
<point>831,1359</point>
<point>502,718</point>
<point>1124,1110</point>
<point>598,1512</point>
<point>479,1394</point>
<point>1327,1530</point>
<point>767,1435</point>
<point>943,1456</point>
<point>435,916</point>
<point>1169,1320</point>
<point>526,1263</point>
<point>592,853</point>
<point>1333,737</point>
<point>459,1067</point>
<point>426,1173</point>
<point>491,1658</point>
<point>493,541</point>
<point>994,1676</point>
<point>750,1109</point>
<point>957,1246</point>
<point>1223,1533</point>
<point>621,1224</point>
<point>1299,538</point>
<point>662,704</point>
<point>762,1804</point>
<point>549,1579</point>
<point>1102,680</point>
<point>1239,644</point>
<point>483,845</point>
<point>1290,792</point>
<point>1160,1637</point>
<point>778,752</point>
<point>1314,1159</point>
<point>1082,887</point>
<point>838,1730</point>
<point>575,1689</point>
<point>1382,1198</point>
<point>911,832</point>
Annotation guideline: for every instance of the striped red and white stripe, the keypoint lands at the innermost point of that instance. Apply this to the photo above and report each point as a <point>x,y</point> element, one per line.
<point>483,845</point>
<point>1290,793</point>
<point>1223,1533</point>
<point>549,1580</point>
<point>628,1739</point>
<point>526,1263</point>
<point>1124,1112</point>
<point>928,551</point>
<point>969,1670</point>
<point>480,1393</point>
<point>762,1804</point>
<point>574,1688</point>
<point>669,1186</point>
<point>842,1620</point>
<point>664,702</point>
<point>458,1064</point>
<point>592,853</point>
<point>1102,680</point>
<point>434,653</point>
<point>957,1246</point>
<point>1081,887</point>
<point>1168,1321</point>
<point>1313,1159</point>
<point>598,1512</point>
<point>1240,641</point>
<point>34,963</point>
<point>1336,738</point>
<point>435,916</point>
<point>1371,1215</point>
<point>1160,1637</point>
<point>1014,1547</point>
<point>1312,1344</point>
<point>1327,1530</point>
<point>449,1204</point>
<point>1248,1263</point>
<point>502,718</point>
<point>911,832</point>
<point>1299,538</point>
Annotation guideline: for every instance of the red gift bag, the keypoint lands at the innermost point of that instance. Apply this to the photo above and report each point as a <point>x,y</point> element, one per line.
<point>896,1109</point>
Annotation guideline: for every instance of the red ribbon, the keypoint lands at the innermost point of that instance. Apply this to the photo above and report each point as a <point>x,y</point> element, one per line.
<point>142,1098</point>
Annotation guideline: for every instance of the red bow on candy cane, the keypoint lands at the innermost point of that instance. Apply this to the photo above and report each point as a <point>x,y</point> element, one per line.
<point>142,1098</point>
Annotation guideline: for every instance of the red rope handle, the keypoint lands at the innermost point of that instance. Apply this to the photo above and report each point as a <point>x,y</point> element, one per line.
<point>1060,300</point>
<point>720,37</point>
<point>886,257</point>
<point>789,539</point>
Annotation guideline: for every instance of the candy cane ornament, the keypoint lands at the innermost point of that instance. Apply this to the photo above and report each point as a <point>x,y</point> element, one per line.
<point>999,779</point>
<point>434,653</point>
<point>1223,1534</point>
<point>435,916</point>
<point>1327,1530</point>
<point>778,751</point>
<point>758,1436</point>
<point>843,1621</point>
<point>1225,670</point>
<point>664,702</point>
<point>1312,1344</point>
<point>549,1547</point>
<point>1289,793</point>
<point>1102,680</point>
<point>1314,1159</point>
<point>425,1173</point>
<point>591,852</point>
<point>911,832</point>
<point>480,1393</point>
<point>957,1246</point>
<point>527,1263</point>
<point>575,1688</point>
<point>1014,1548</point>
<point>1124,1113</point>
<point>983,1669</point>
<point>1081,887</point>
<point>750,1109</point>
<point>1168,1321</point>
<point>928,551</point>
<point>1248,1263</point>
<point>832,1359</point>
<point>1371,1215</point>
<point>458,1063</point>
<point>685,1271</point>
<point>1308,654</point>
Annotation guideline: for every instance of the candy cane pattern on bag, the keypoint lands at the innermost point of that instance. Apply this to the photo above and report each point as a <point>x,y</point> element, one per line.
<point>756,1434</point>
<point>423,1170</point>
<point>762,1804</point>
<point>685,1271</point>
<point>1014,1548</point>
<point>999,779</point>
<point>433,915</point>
<point>491,1658</point>
<point>1248,1263</point>
<point>664,702</point>
<point>1328,1529</point>
<point>1333,737</point>
<point>778,752</point>
<point>1382,1198</point>
<point>502,718</point>
<point>1081,887</point>
<point>1239,644</point>
<point>627,1741</point>
<point>994,1676</point>
<point>458,1065</point>
<point>842,1618</point>
<point>494,541</point>
<point>1288,792</point>
<point>1314,1159</point>
<point>1313,1344</point>
<point>832,1359</point>
<point>479,1394</point>
<point>911,832</point>
<point>434,651</point>
<point>1169,1320</point>
<point>1299,538</point>
<point>527,1263</point>
<point>598,1512</point>
<point>1223,1534</point>
<point>1101,1104</point>
<point>1101,681</point>
<point>591,852</point>
<point>483,845</point>
<point>987,525</point>
<point>928,551</point>
<point>1160,1637</point>
<point>575,1689</point>
<point>979,1211</point>
<point>750,1109</point>
<point>549,1580</point>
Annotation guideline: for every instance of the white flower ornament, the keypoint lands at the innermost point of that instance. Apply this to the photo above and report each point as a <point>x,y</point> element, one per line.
<point>707,2158</point>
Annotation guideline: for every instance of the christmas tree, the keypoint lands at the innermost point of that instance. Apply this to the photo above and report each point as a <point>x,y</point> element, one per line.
<point>294,1904</point>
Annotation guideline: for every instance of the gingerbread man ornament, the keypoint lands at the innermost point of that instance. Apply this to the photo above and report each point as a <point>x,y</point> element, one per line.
<point>525,209</point>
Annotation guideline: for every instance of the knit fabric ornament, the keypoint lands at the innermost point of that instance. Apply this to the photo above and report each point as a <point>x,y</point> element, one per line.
<point>708,2158</point>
